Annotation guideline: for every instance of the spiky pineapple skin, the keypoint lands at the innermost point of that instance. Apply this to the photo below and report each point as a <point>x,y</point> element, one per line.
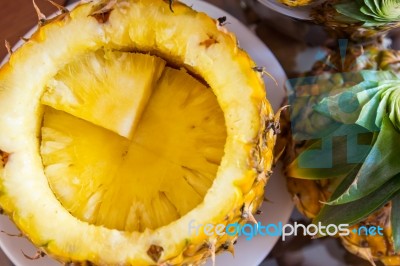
<point>140,25</point>
<point>310,195</point>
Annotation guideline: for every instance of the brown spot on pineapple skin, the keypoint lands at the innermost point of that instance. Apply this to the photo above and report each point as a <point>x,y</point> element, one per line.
<point>102,18</point>
<point>4,156</point>
<point>155,252</point>
<point>102,14</point>
<point>60,17</point>
<point>59,7</point>
<point>39,254</point>
<point>275,127</point>
<point>364,243</point>
<point>170,3</point>
<point>41,16</point>
<point>84,263</point>
<point>210,41</point>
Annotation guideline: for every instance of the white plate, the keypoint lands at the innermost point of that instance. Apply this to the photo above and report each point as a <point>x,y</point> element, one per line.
<point>279,208</point>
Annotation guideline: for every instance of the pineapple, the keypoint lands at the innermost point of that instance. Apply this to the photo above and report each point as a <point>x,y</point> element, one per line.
<point>314,189</point>
<point>357,20</point>
<point>114,140</point>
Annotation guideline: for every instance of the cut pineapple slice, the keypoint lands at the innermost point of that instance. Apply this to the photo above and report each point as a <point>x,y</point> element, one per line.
<point>109,89</point>
<point>81,160</point>
<point>150,181</point>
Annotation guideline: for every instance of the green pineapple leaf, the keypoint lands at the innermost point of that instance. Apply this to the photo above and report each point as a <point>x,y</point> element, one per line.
<point>373,104</point>
<point>390,9</point>
<point>381,165</point>
<point>335,106</point>
<point>363,99</point>
<point>373,6</point>
<point>378,6</point>
<point>370,12</point>
<point>345,183</point>
<point>351,9</point>
<point>354,212</point>
<point>326,158</point>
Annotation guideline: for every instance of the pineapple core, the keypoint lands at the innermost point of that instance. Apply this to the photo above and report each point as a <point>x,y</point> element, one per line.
<point>128,143</point>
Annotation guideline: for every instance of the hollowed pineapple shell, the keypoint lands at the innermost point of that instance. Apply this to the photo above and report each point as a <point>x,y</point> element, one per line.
<point>186,40</point>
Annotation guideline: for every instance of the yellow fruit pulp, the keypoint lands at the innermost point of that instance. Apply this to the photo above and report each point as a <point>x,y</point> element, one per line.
<point>109,89</point>
<point>154,178</point>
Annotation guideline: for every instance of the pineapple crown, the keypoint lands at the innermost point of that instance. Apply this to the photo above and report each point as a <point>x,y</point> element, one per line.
<point>371,12</point>
<point>373,104</point>
<point>362,108</point>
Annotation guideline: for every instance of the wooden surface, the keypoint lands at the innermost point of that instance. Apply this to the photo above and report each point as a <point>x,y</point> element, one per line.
<point>17,17</point>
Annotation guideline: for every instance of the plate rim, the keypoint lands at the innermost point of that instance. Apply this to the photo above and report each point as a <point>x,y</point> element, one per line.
<point>300,12</point>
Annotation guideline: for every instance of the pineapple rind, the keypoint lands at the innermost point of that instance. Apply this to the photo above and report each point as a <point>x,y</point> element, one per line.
<point>177,37</point>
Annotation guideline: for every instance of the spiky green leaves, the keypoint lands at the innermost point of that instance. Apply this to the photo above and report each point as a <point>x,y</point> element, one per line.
<point>373,104</point>
<point>356,211</point>
<point>370,12</point>
<point>381,165</point>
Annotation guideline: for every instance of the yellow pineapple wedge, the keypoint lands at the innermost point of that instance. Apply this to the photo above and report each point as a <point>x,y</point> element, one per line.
<point>99,88</point>
<point>123,122</point>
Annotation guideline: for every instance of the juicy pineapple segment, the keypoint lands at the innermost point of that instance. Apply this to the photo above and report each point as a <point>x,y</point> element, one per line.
<point>177,132</point>
<point>150,181</point>
<point>109,89</point>
<point>80,161</point>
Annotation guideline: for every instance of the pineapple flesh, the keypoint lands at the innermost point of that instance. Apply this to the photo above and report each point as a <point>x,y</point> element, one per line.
<point>166,167</point>
<point>99,88</point>
<point>116,139</point>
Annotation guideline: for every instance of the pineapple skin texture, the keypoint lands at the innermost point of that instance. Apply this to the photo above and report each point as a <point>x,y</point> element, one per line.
<point>183,38</point>
<point>309,195</point>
